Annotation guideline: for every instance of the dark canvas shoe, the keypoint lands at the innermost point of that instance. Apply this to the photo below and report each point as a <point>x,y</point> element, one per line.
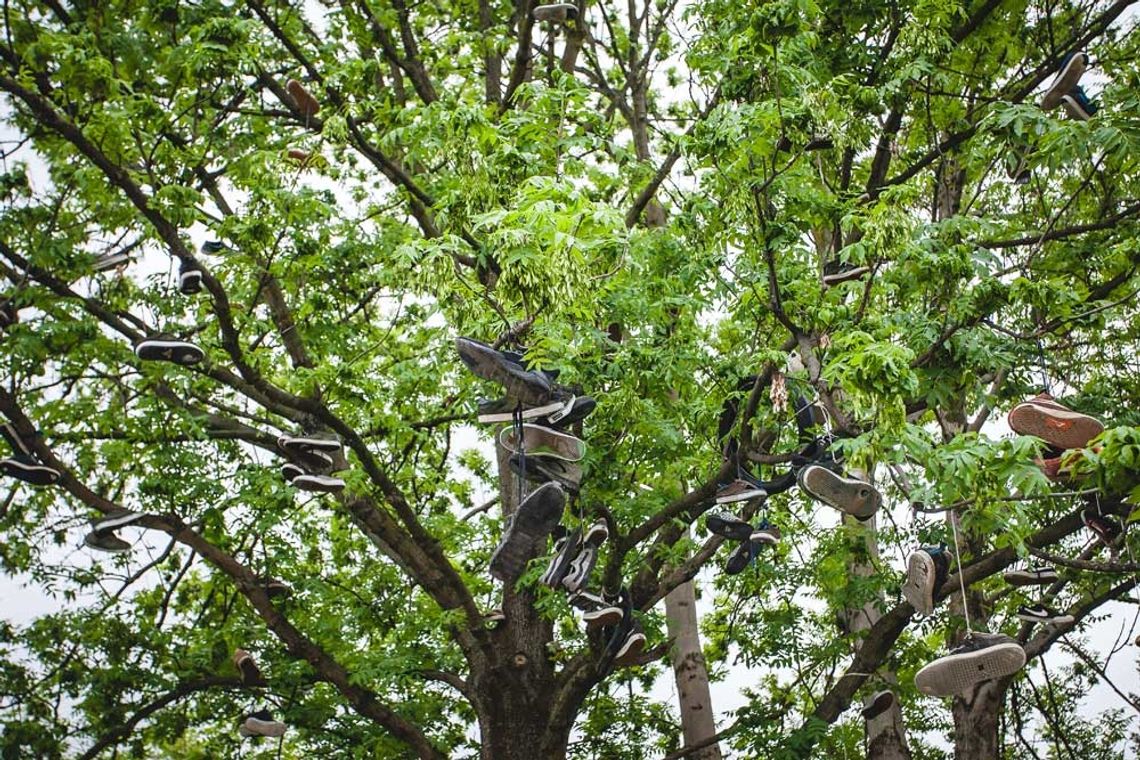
<point>290,471</point>
<point>566,549</point>
<point>1106,528</point>
<point>1078,105</point>
<point>189,278</point>
<point>728,525</point>
<point>1041,575</point>
<point>555,12</point>
<point>921,581</point>
<point>532,522</point>
<point>275,589</point>
<point>855,497</point>
<point>164,348</point>
<point>576,409</point>
<point>503,410</point>
<point>630,649</point>
<point>317,483</point>
<point>9,314</point>
<point>28,470</point>
<point>261,723</point>
<point>247,669</point>
<point>546,470</point>
<point>8,431</point>
<point>308,444</point>
<point>106,542</point>
<point>494,619</point>
<point>835,272</point>
<point>878,704</point>
<point>982,657</point>
<point>1072,68</point>
<point>742,557</point>
<point>1020,172</point>
<point>1053,423</point>
<point>116,519</point>
<point>583,564</point>
<point>766,534</point>
<point>539,441</point>
<point>212,247</point>
<point>588,600</point>
<point>602,617</point>
<point>531,388</point>
<point>739,490</point>
<point>1039,613</point>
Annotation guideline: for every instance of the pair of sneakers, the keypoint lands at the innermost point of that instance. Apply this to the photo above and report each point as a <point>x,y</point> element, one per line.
<point>980,657</point>
<point>750,540</point>
<point>541,454</point>
<point>575,555</point>
<point>165,347</point>
<point>102,536</point>
<point>1059,426</point>
<point>1065,89</point>
<point>23,464</point>
<point>532,521</point>
<point>613,615</point>
<point>851,496</point>
<point>313,459</point>
<point>927,568</point>
<point>248,671</point>
<point>1106,528</point>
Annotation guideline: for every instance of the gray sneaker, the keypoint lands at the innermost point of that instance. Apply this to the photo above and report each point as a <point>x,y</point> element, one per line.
<point>529,387</point>
<point>857,498</point>
<point>106,542</point>
<point>261,723</point>
<point>981,657</point>
<point>533,521</point>
<point>539,441</point>
<point>547,470</point>
<point>921,581</point>
<point>555,12</point>
<point>583,564</point>
<point>504,409</point>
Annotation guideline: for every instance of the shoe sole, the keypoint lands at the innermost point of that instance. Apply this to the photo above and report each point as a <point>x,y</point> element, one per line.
<point>734,529</point>
<point>265,728</point>
<point>558,13</point>
<point>317,483</point>
<point>957,673</point>
<point>534,519</point>
<point>33,474</point>
<point>1064,82</point>
<point>527,413</point>
<point>765,538</point>
<point>1074,109</point>
<point>740,559</point>
<point>1024,578</point>
<point>104,263</point>
<point>853,497</point>
<point>919,586</point>
<point>603,618</point>
<point>1063,428</point>
<point>583,407</point>
<point>742,496</point>
<point>87,541</point>
<point>190,283</point>
<point>531,388</point>
<point>177,352</point>
<point>631,649</point>
<point>580,569</point>
<point>561,562</point>
<point>539,472</point>
<point>878,705</point>
<point>303,445</point>
<point>538,441</point>
<point>110,523</point>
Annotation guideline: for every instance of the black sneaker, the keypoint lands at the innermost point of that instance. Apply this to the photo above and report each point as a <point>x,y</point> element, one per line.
<point>275,589</point>
<point>629,652</point>
<point>117,519</point>
<point>742,557</point>
<point>106,542</point>
<point>583,564</point>
<point>189,278</point>
<point>164,348</point>
<point>836,272</point>
<point>28,470</point>
<point>1072,69</point>
<point>8,431</point>
<point>317,483</point>
<point>212,247</point>
<point>307,445</point>
<point>588,600</point>
<point>729,526</point>
<point>532,522</point>
<point>566,550</point>
<point>1039,613</point>
<point>547,470</point>
<point>504,409</point>
<point>1106,528</point>
<point>1078,105</point>
<point>766,534</point>
<point>576,409</point>
<point>981,657</point>
<point>261,723</point>
<point>290,471</point>
<point>878,704</point>
<point>1041,575</point>
<point>529,387</point>
<point>602,617</point>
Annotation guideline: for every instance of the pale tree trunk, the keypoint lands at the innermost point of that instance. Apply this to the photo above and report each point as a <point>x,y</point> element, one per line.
<point>697,720</point>
<point>976,722</point>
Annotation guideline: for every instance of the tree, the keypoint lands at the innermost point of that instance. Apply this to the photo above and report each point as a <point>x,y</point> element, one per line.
<point>642,197</point>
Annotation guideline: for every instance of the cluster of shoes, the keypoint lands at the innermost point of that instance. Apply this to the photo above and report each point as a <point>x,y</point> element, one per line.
<point>260,722</point>
<point>313,460</point>
<point>23,464</point>
<point>167,347</point>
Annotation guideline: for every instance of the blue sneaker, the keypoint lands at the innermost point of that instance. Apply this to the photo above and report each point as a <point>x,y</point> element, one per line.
<point>1078,105</point>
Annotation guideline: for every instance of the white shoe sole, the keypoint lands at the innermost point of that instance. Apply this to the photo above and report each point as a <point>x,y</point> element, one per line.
<point>919,586</point>
<point>742,496</point>
<point>958,673</point>
<point>527,413</point>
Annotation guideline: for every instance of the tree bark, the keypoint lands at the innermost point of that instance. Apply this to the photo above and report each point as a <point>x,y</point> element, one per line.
<point>976,722</point>
<point>697,720</point>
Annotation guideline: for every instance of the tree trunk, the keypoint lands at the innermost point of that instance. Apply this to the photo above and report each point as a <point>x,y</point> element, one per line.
<point>976,722</point>
<point>697,719</point>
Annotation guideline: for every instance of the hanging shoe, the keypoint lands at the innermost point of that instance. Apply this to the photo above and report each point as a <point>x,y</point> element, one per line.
<point>189,278</point>
<point>583,564</point>
<point>1039,613</point>
<point>548,470</point>
<point>12,436</point>
<point>290,471</point>
<point>742,557</point>
<point>836,272</point>
<point>164,347</point>
<point>261,723</point>
<point>317,483</point>
<point>212,247</point>
<point>494,619</point>
<point>529,387</point>
<point>878,704</point>
<point>1053,423</point>
<point>576,409</point>
<point>602,617</point>
<point>111,261</point>
<point>1072,69</point>
<point>1106,528</point>
<point>1078,105</point>
<point>566,549</point>
<point>539,441</point>
<point>557,13</point>
<point>857,498</point>
<point>275,589</point>
<point>504,409</point>
<point>921,580</point>
<point>532,521</point>
<point>29,470</point>
<point>631,649</point>
<point>1041,575</point>
<point>766,534</point>
<point>118,518</point>
<point>308,445</point>
<point>306,103</point>
<point>106,541</point>
<point>741,489</point>
<point>248,670</point>
<point>981,657</point>
<point>729,526</point>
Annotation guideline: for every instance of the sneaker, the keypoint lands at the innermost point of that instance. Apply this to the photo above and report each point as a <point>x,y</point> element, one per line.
<point>163,348</point>
<point>106,542</point>
<point>921,581</point>
<point>1041,575</point>
<point>878,704</point>
<point>566,550</point>
<point>261,723</point>
<point>247,669</point>
<point>739,490</point>
<point>111,261</point>
<point>306,103</point>
<point>729,526</point>
<point>1078,105</point>
<point>275,589</point>
<point>1106,528</point>
<point>9,314</point>
<point>29,470</point>
<point>981,657</point>
<point>317,483</point>
<point>1039,613</point>
<point>555,12</point>
<point>290,471</point>
<point>630,650</point>
<point>308,445</point>
<point>576,409</point>
<point>855,497</point>
<point>529,387</point>
<point>539,441</point>
<point>494,619</point>
<point>588,600</point>
<point>504,409</point>
<point>766,534</point>
<point>116,519</point>
<point>189,278</point>
<point>212,247</point>
<point>1072,69</point>
<point>583,564</point>
<point>1020,172</point>
<point>1053,423</point>
<point>742,557</point>
<point>532,522</point>
<point>12,436</point>
<point>545,470</point>
<point>602,617</point>
<point>836,272</point>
